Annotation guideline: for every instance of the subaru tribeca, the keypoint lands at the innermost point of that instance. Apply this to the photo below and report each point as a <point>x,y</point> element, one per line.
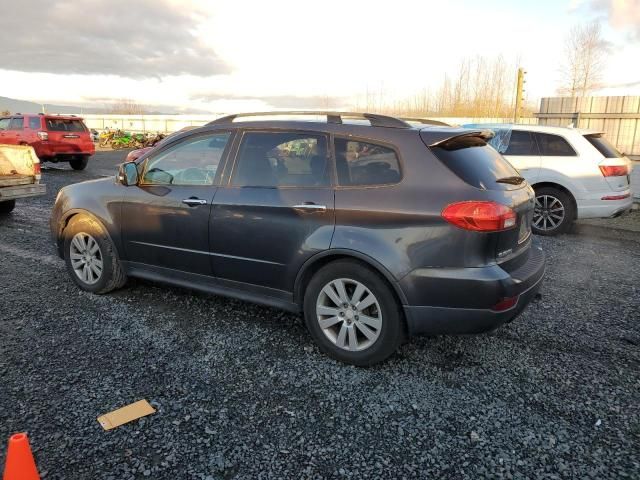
<point>372,228</point>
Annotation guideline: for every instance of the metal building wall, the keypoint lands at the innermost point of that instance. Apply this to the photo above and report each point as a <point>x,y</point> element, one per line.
<point>617,117</point>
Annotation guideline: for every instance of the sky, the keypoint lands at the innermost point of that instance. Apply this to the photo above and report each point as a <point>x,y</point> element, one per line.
<point>238,55</point>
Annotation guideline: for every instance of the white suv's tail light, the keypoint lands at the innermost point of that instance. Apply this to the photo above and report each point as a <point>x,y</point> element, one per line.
<point>43,135</point>
<point>614,170</point>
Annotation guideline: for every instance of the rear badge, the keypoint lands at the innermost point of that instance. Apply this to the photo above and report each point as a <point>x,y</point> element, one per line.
<point>505,253</point>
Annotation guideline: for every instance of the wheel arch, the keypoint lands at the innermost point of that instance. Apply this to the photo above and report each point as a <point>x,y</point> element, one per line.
<point>66,219</point>
<point>315,263</point>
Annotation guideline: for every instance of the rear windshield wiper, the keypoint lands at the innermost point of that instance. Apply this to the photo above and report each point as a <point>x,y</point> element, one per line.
<point>514,180</point>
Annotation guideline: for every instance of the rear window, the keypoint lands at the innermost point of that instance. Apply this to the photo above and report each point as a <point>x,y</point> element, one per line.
<point>475,162</point>
<point>65,125</point>
<point>603,146</point>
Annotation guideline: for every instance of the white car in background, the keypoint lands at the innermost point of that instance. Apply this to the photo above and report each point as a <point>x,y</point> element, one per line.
<point>576,173</point>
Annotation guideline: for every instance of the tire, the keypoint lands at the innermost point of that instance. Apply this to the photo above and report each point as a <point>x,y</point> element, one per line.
<point>556,203</point>
<point>384,313</point>
<point>7,207</point>
<point>79,163</point>
<point>85,229</point>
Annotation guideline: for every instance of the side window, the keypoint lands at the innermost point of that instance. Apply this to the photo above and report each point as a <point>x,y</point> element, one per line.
<point>16,123</point>
<point>4,123</point>
<point>282,159</point>
<point>361,163</point>
<point>521,143</point>
<point>34,123</point>
<point>554,145</point>
<point>194,161</point>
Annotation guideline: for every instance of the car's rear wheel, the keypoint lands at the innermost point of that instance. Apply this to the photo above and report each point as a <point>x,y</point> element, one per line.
<point>91,258</point>
<point>79,163</point>
<point>352,313</point>
<point>553,213</point>
<point>7,207</point>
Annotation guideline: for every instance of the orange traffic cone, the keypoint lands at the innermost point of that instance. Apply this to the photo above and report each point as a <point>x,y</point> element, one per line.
<point>19,464</point>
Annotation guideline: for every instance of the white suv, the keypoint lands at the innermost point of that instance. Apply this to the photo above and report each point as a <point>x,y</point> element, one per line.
<point>575,173</point>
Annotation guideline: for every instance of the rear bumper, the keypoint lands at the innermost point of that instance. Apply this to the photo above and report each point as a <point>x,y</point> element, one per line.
<point>595,207</point>
<point>49,150</point>
<point>22,191</point>
<point>466,292</point>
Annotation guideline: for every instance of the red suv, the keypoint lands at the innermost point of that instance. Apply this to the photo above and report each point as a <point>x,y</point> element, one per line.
<point>55,138</point>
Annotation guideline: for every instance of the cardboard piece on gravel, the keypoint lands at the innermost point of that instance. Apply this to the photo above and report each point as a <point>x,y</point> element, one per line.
<point>126,414</point>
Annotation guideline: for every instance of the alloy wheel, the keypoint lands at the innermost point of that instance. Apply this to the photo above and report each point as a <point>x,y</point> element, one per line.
<point>548,213</point>
<point>86,258</point>
<point>349,314</point>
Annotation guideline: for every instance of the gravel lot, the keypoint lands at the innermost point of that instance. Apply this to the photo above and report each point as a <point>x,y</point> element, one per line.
<point>241,391</point>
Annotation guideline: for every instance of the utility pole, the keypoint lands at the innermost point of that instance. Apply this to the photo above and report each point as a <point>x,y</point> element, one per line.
<point>519,94</point>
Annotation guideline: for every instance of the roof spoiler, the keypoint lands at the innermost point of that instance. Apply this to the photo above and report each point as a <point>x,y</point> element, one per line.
<point>438,137</point>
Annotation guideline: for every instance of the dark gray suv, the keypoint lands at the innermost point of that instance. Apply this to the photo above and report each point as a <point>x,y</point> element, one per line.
<point>374,228</point>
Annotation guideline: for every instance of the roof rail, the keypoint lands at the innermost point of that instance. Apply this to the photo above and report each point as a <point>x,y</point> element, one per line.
<point>332,117</point>
<point>425,121</point>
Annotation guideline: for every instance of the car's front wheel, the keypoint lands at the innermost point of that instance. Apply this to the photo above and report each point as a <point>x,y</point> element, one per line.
<point>352,313</point>
<point>553,213</point>
<point>91,258</point>
<point>79,163</point>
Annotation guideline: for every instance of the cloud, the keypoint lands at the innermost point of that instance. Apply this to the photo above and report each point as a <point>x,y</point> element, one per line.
<point>136,39</point>
<point>279,101</point>
<point>621,14</point>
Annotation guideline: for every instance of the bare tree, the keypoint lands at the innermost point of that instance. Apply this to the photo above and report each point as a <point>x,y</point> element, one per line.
<point>126,106</point>
<point>481,87</point>
<point>585,52</point>
<point>5,113</point>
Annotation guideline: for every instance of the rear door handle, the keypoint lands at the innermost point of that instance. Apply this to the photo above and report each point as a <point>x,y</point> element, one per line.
<point>192,202</point>
<point>309,206</point>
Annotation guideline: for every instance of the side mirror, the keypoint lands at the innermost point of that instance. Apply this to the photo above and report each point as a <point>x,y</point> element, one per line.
<point>128,174</point>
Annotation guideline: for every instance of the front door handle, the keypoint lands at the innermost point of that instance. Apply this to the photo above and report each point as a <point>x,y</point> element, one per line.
<point>311,207</point>
<point>192,202</point>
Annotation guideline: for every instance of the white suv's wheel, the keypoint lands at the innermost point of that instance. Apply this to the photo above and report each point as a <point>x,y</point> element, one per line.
<point>352,313</point>
<point>553,212</point>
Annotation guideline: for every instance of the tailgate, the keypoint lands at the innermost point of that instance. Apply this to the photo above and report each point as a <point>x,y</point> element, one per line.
<point>479,165</point>
<point>13,180</point>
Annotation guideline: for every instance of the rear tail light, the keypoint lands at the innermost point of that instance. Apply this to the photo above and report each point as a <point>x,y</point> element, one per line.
<point>43,135</point>
<point>505,304</point>
<point>480,216</point>
<point>614,170</point>
<point>37,171</point>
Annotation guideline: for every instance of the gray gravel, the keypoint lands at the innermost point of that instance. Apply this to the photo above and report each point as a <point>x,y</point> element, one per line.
<point>241,391</point>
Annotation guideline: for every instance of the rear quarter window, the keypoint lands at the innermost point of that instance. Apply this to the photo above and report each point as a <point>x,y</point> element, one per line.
<point>34,123</point>
<point>554,145</point>
<point>477,163</point>
<point>65,125</point>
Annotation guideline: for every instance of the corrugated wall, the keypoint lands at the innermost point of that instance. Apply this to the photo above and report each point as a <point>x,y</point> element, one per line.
<point>617,117</point>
